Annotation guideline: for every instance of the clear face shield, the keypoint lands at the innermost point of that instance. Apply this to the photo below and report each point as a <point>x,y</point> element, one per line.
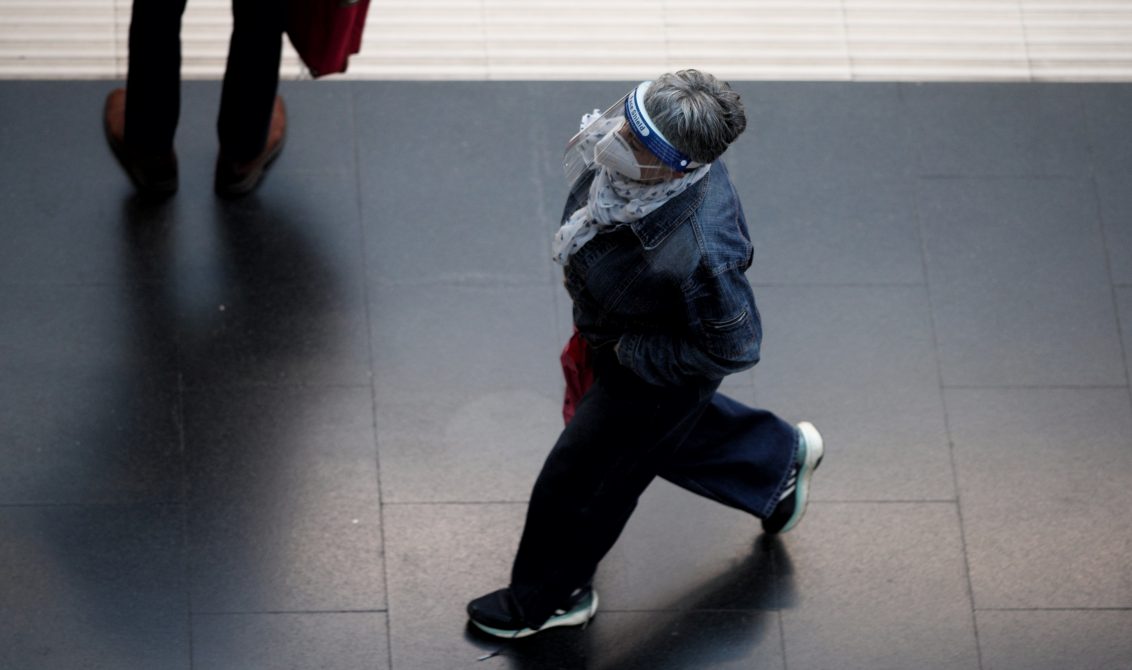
<point>624,139</point>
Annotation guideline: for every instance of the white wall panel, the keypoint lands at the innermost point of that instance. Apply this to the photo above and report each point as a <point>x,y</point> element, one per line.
<point>1082,40</point>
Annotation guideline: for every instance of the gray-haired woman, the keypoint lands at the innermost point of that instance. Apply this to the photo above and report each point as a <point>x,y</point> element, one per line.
<point>654,247</point>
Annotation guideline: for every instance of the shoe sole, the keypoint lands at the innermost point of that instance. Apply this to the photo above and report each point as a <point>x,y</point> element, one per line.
<point>569,619</point>
<point>815,450</point>
<point>250,182</point>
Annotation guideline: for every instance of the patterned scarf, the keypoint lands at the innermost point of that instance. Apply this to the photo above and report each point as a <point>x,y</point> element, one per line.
<point>616,200</point>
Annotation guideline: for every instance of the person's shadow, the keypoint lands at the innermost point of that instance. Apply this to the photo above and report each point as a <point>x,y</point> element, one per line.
<point>128,573</point>
<point>719,623</point>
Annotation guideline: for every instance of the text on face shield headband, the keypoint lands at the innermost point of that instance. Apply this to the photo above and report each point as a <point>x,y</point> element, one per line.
<point>649,135</point>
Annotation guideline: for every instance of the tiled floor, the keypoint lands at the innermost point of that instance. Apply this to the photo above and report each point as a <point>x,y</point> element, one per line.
<point>298,430</point>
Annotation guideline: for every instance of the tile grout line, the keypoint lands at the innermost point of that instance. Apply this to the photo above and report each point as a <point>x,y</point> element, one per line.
<point>372,373</point>
<point>835,501</point>
<point>1035,387</point>
<point>920,227</point>
<point>186,536</point>
<point>990,176</point>
<point>1054,609</point>
<point>1112,285</point>
<point>221,613</point>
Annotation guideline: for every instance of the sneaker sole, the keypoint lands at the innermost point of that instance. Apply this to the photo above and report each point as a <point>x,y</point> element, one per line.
<point>568,619</point>
<point>815,450</point>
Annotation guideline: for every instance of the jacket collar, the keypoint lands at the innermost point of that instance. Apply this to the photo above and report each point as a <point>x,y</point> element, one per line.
<point>653,229</point>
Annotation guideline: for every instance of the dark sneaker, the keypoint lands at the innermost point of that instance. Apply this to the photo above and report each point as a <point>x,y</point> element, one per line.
<point>498,614</point>
<point>792,503</point>
<point>236,178</point>
<point>152,173</point>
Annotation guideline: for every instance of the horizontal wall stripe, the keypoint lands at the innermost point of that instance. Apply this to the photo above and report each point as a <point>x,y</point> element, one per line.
<point>1050,40</point>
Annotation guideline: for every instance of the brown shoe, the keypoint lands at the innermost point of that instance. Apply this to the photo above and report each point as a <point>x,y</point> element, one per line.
<point>235,178</point>
<point>152,173</point>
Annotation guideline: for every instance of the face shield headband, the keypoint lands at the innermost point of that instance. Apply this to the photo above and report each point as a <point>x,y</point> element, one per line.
<point>646,131</point>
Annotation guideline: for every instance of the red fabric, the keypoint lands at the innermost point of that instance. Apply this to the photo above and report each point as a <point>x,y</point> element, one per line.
<point>326,32</point>
<point>578,371</point>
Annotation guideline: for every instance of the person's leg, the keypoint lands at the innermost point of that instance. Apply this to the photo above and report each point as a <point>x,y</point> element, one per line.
<point>735,455</point>
<point>623,430</point>
<point>141,133</point>
<point>252,77</point>
<point>153,80</point>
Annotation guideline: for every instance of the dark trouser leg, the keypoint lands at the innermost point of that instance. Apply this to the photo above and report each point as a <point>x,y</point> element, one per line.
<point>252,77</point>
<point>623,431</point>
<point>153,81</point>
<point>736,455</point>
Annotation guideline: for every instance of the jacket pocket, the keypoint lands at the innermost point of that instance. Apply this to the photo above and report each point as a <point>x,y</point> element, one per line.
<point>730,337</point>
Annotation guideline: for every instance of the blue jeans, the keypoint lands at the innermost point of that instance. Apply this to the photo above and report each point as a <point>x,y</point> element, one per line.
<point>625,433</point>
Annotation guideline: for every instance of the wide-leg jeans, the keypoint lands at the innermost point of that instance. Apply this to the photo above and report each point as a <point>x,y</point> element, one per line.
<point>625,433</point>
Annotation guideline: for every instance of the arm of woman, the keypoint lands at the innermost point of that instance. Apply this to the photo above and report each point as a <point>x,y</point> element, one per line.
<point>723,336</point>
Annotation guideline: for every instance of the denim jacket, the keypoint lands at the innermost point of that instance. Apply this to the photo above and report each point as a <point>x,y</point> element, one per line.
<point>668,291</point>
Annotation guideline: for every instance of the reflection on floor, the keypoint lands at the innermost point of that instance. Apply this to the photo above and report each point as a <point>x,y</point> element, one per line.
<point>298,430</point>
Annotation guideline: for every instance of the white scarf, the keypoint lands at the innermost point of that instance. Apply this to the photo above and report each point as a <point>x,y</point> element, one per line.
<point>615,200</point>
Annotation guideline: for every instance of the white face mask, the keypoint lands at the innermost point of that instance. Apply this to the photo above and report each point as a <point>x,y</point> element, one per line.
<point>613,152</point>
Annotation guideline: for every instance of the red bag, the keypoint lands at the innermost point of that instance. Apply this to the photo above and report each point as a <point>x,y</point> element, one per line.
<point>577,368</point>
<point>326,32</point>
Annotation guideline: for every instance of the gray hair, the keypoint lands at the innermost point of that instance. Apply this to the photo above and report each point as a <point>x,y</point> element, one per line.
<point>698,113</point>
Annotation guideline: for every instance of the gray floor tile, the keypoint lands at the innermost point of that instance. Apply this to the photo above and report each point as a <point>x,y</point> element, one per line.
<point>73,441</point>
<point>324,640</point>
<point>112,237</point>
<point>284,504</point>
<point>998,129</point>
<point>440,556</point>
<point>1053,640</point>
<point>463,339</point>
<point>93,587</point>
<point>679,640</point>
<point>296,334</point>
<point>294,227</point>
<point>859,362</point>
<point>422,256</point>
<point>651,641</point>
<point>683,552</point>
<point>1018,281</point>
<point>1124,307</point>
<point>469,390</point>
<point>320,129</point>
<point>808,131</point>
<point>1115,192</point>
<point>1043,477</point>
<point>272,291</point>
<point>88,389</point>
<point>452,194</point>
<point>86,334</point>
<point>1107,108</point>
<point>879,586</point>
<point>49,126</point>
<point>446,446</point>
<point>853,229</point>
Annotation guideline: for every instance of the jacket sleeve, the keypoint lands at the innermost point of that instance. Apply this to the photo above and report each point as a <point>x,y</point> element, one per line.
<point>723,336</point>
